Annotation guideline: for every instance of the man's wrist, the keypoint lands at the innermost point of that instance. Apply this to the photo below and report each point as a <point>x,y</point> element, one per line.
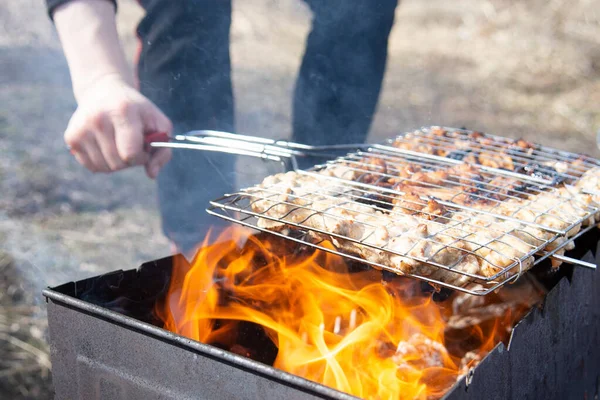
<point>115,79</point>
<point>88,33</point>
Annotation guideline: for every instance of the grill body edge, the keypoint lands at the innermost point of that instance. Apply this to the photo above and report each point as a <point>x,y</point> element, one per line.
<point>97,353</point>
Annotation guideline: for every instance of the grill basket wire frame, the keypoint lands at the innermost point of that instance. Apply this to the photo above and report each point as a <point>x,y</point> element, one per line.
<point>250,220</point>
<point>495,144</point>
<point>237,207</point>
<point>487,190</point>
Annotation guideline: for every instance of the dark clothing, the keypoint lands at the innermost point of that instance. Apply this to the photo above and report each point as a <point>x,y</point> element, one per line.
<point>184,67</point>
<point>342,70</point>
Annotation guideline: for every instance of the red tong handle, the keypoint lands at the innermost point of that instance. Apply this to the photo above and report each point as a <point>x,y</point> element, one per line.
<point>155,137</point>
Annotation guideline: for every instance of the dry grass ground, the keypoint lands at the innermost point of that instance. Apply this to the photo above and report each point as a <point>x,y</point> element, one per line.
<point>516,68</point>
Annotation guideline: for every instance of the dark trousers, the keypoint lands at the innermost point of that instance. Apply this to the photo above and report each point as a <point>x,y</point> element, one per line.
<point>185,68</point>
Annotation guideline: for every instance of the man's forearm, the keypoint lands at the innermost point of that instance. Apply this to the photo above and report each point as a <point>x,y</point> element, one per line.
<point>88,33</point>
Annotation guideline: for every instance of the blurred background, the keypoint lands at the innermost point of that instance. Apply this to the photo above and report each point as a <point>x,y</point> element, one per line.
<point>526,69</point>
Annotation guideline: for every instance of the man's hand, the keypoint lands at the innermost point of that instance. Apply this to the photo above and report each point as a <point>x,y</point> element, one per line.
<point>106,133</point>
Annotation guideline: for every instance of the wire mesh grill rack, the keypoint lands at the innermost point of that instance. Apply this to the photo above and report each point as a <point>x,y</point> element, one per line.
<point>544,164</point>
<point>503,194</point>
<point>425,214</point>
<point>452,241</point>
<point>238,208</point>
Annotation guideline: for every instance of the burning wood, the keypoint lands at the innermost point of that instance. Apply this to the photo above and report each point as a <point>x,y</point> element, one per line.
<point>330,323</point>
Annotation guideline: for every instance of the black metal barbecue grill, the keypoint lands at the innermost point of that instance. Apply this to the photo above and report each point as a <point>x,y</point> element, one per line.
<point>105,344</point>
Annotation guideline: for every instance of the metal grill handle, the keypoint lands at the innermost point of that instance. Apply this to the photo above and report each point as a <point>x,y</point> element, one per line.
<point>252,146</point>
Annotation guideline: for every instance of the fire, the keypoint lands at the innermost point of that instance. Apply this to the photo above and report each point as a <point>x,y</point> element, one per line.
<point>313,315</point>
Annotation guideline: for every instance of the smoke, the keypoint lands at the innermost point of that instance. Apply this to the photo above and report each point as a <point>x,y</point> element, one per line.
<point>267,41</point>
<point>44,192</point>
<point>58,222</point>
<point>510,68</point>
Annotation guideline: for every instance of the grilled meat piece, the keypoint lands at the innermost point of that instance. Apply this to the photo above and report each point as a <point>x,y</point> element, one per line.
<point>420,352</point>
<point>496,160</point>
<point>499,153</point>
<point>507,187</point>
<point>412,204</point>
<point>461,184</point>
<point>370,170</point>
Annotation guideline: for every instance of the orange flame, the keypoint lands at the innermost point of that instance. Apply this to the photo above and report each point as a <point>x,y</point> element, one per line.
<point>326,322</point>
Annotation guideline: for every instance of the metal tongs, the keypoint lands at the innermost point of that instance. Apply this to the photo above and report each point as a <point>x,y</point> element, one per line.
<point>224,142</point>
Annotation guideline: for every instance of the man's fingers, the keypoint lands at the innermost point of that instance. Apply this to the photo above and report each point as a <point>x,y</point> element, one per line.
<point>106,142</point>
<point>129,134</point>
<point>156,121</point>
<point>83,159</point>
<point>92,150</point>
<point>109,136</point>
<point>83,145</point>
<point>158,160</point>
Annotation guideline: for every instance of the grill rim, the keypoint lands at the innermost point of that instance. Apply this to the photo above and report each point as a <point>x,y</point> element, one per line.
<point>57,299</point>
